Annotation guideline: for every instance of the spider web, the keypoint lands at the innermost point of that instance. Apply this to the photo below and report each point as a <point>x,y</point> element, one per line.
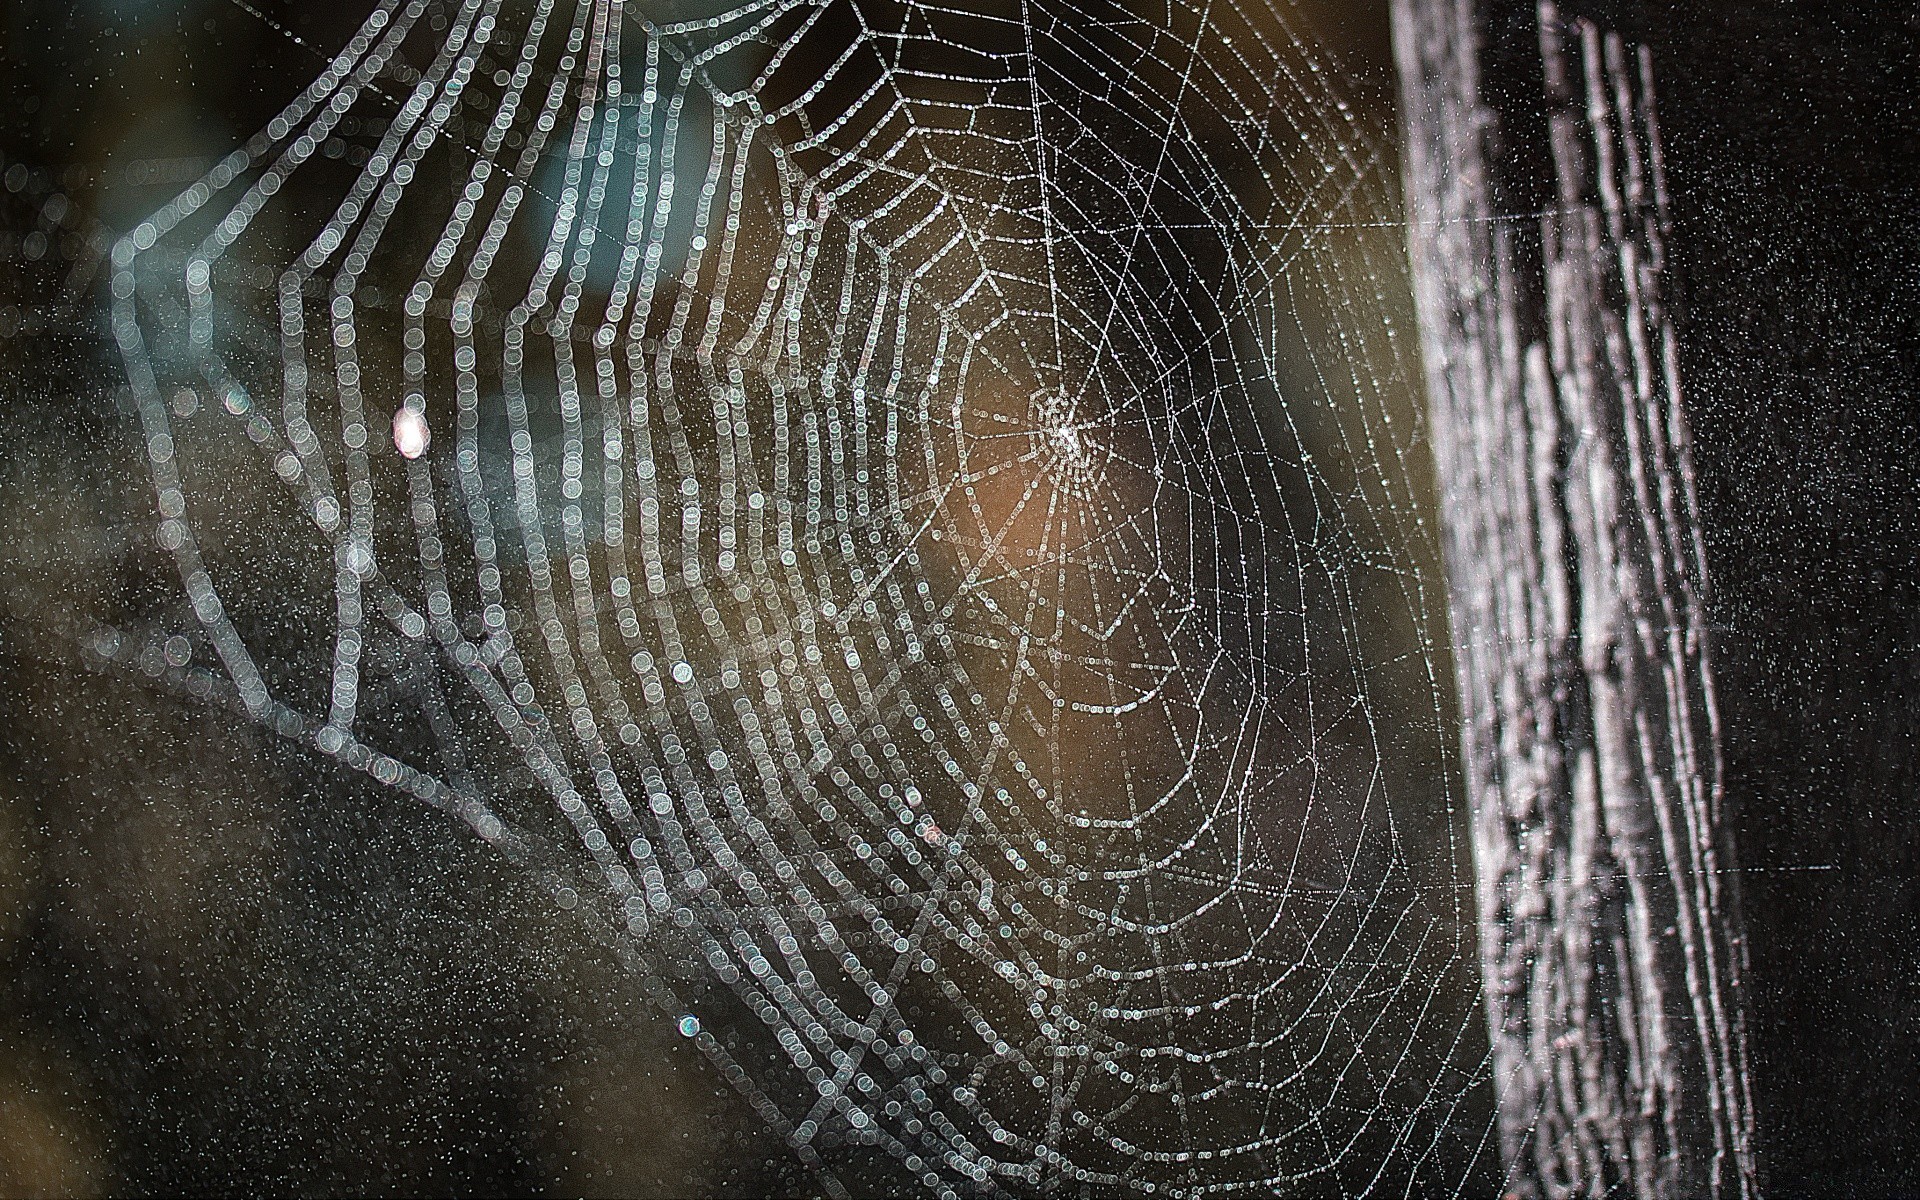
<point>903,515</point>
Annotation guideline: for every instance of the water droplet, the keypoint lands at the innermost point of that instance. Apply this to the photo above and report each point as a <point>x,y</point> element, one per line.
<point>689,1025</point>
<point>410,433</point>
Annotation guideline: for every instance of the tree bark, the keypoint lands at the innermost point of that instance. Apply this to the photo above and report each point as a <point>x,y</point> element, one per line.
<point>1610,929</point>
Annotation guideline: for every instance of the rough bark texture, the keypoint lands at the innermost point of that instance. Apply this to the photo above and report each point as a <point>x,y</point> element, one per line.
<point>1610,925</point>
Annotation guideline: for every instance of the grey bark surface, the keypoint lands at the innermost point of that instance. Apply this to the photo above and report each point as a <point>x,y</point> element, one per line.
<point>1610,931</point>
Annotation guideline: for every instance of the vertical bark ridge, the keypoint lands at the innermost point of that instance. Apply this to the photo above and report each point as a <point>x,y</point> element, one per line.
<point>1610,934</point>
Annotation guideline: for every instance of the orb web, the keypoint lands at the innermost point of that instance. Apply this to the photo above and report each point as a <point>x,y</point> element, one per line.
<point>905,516</point>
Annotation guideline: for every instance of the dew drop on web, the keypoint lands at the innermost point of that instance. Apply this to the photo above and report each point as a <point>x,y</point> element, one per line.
<point>410,433</point>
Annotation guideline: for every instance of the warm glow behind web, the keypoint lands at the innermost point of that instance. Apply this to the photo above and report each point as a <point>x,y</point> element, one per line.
<point>906,517</point>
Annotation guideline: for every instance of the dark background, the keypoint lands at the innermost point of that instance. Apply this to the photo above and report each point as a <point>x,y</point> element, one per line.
<point>1795,138</point>
<point>1800,140</point>
<point>226,968</point>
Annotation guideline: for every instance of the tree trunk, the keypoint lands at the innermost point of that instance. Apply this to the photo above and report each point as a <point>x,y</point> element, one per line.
<point>1610,927</point>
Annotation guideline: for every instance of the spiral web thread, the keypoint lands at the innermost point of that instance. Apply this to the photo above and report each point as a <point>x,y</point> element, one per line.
<point>895,511</point>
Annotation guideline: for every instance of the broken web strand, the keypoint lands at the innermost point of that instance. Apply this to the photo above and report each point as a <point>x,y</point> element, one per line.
<point>955,516</point>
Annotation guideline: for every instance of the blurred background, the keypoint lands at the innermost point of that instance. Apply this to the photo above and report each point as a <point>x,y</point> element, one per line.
<point>229,965</point>
<point>229,968</point>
